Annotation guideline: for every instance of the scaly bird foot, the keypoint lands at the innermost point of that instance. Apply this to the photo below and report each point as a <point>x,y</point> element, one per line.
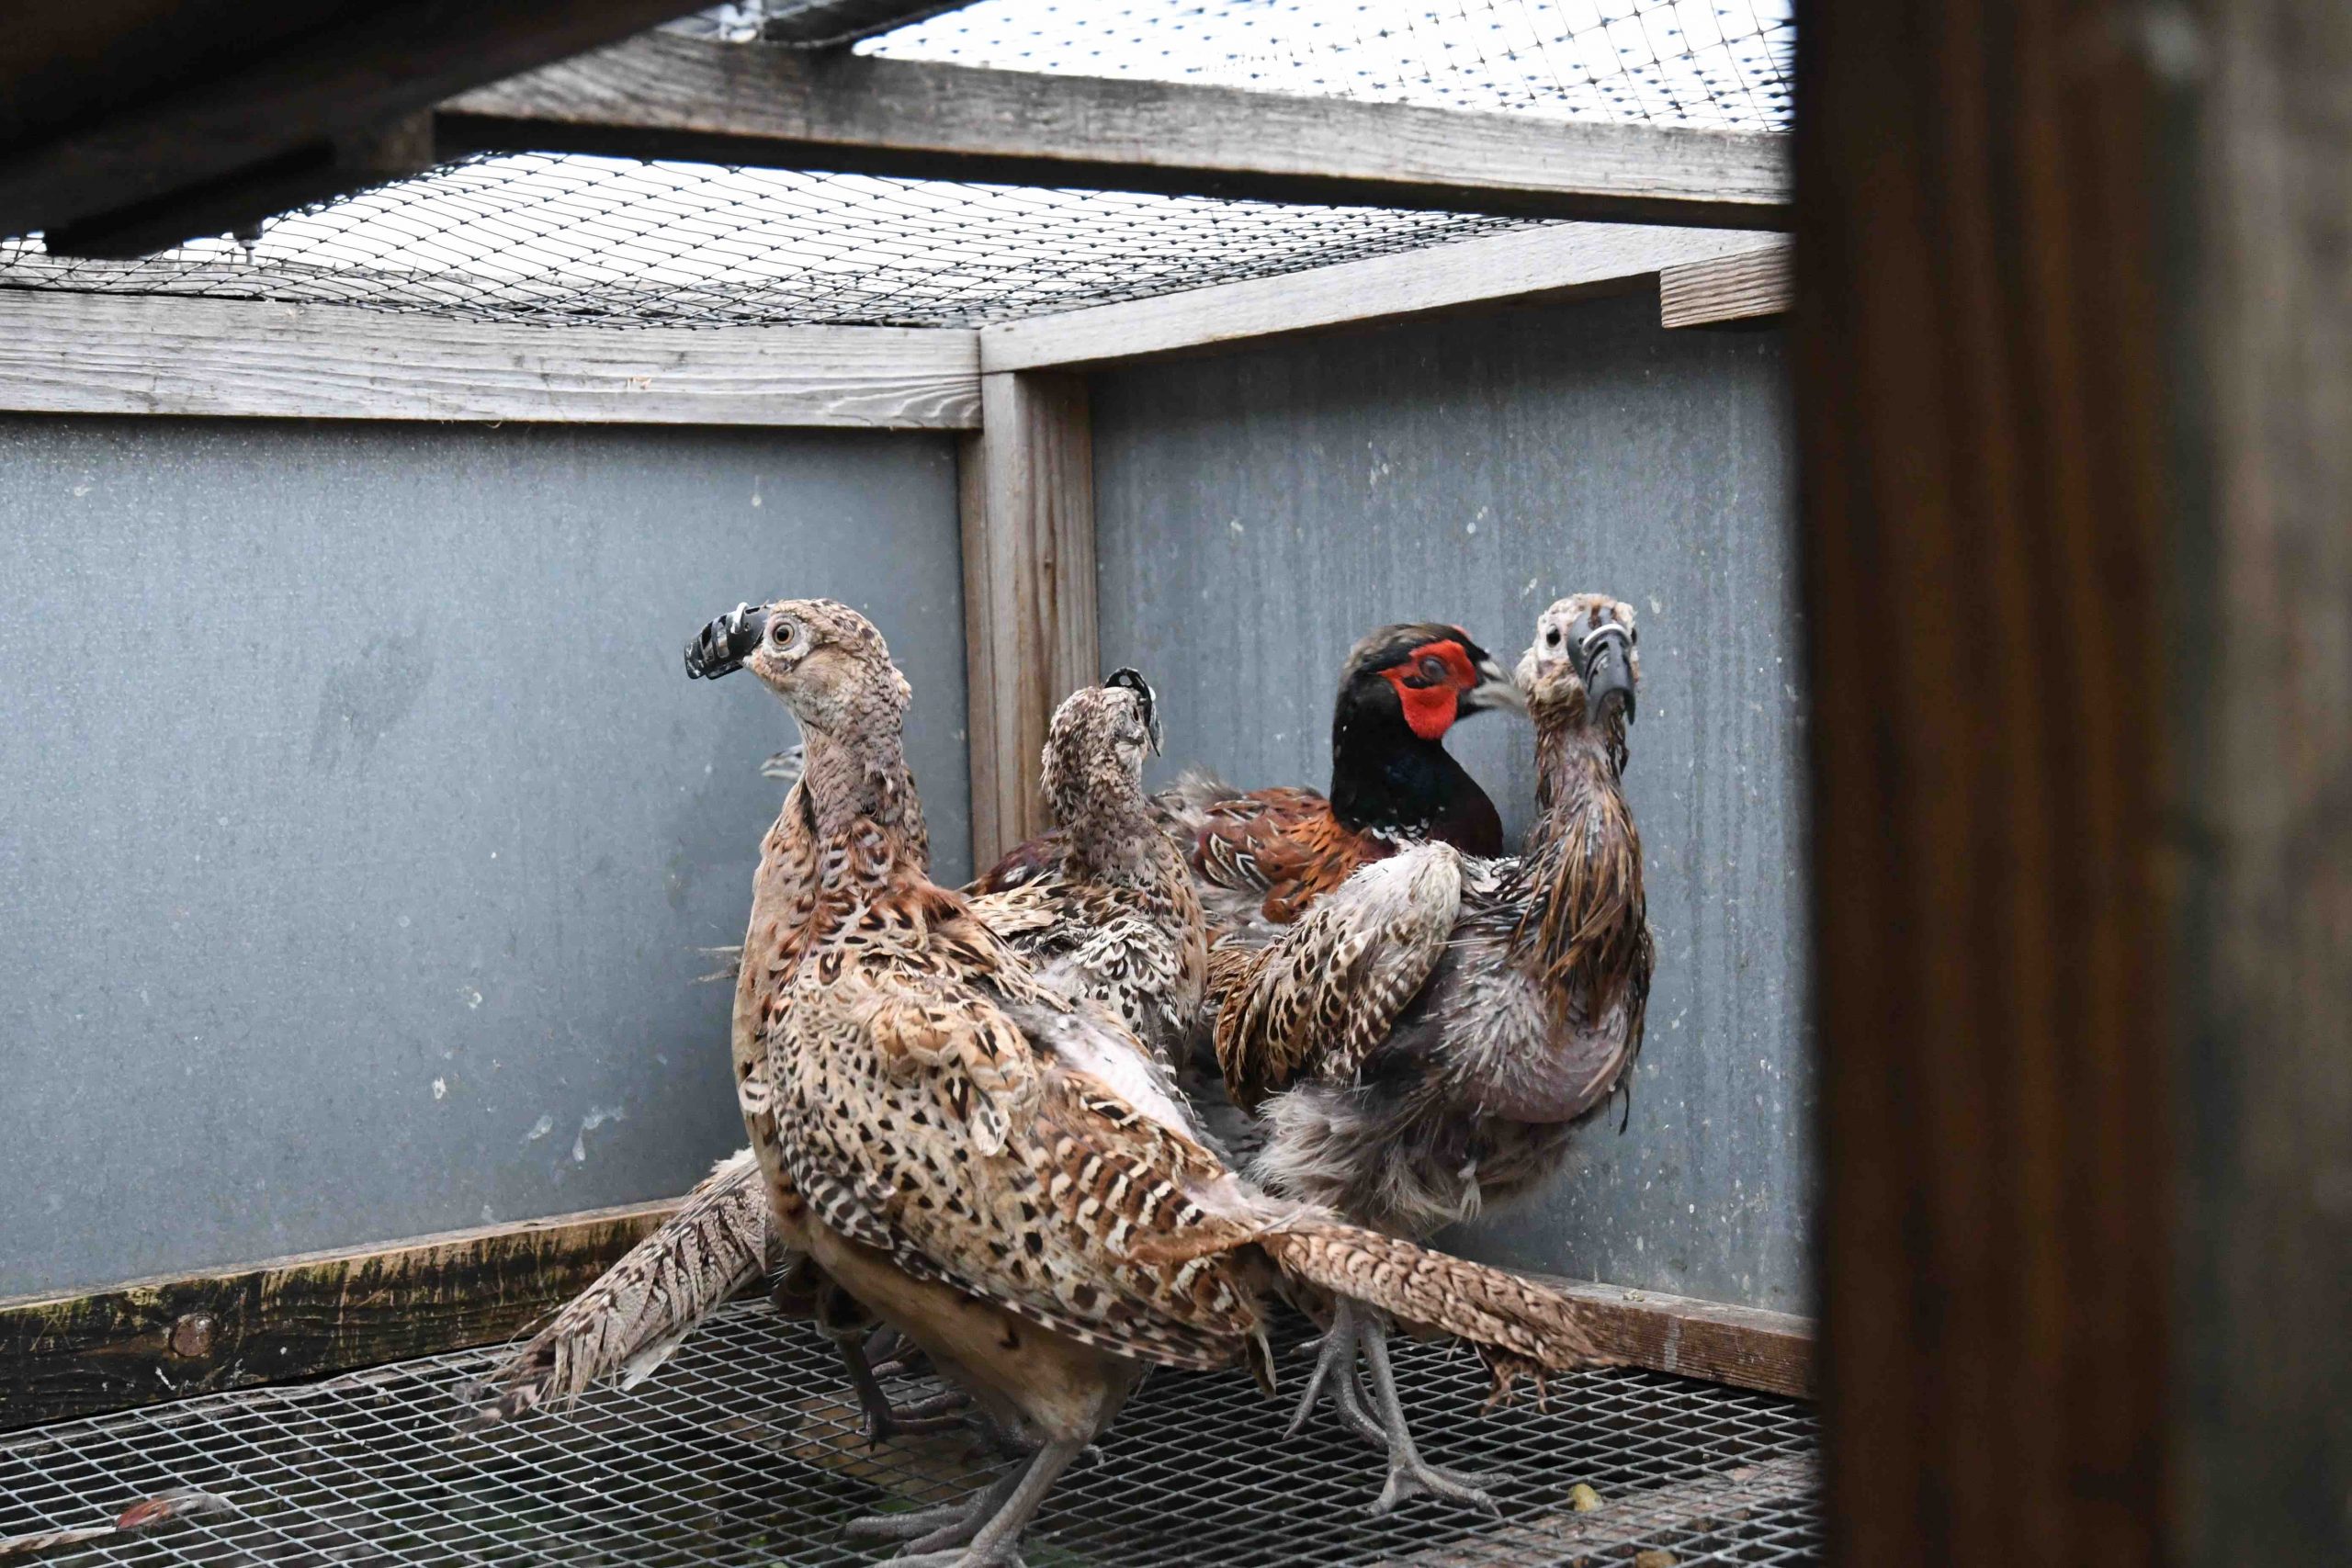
<point>1410,1477</point>
<point>1408,1474</point>
<point>1335,1364</point>
<point>914,1524</point>
<point>1005,1556</point>
<point>935,1528</point>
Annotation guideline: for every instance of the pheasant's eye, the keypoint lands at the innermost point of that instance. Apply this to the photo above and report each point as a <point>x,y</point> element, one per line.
<point>1552,637</point>
<point>1433,669</point>
<point>780,634</point>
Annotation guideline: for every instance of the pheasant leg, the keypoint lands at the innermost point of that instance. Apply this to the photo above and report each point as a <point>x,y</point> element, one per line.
<point>1408,1474</point>
<point>1336,1364</point>
<point>996,1544</point>
<point>885,1421</point>
<point>843,1320</point>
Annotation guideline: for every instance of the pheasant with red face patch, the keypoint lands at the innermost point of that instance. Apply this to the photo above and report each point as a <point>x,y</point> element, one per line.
<point>1266,855</point>
<point>1418,1045</point>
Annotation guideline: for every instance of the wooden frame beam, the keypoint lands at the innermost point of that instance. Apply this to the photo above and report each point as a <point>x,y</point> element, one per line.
<point>1026,483</point>
<point>64,353</point>
<point>298,1317</point>
<point>664,96</point>
<point>1554,261</point>
<point>829,24</point>
<point>1734,288</point>
<point>1715,1341</point>
<point>151,1341</point>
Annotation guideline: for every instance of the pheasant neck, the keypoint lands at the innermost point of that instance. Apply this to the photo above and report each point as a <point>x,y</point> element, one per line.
<point>861,803</point>
<point>1109,832</point>
<point>1580,879</point>
<point>1385,777</point>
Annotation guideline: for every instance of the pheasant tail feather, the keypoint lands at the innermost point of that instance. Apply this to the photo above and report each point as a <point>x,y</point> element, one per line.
<point>1496,1310</point>
<point>626,1325</point>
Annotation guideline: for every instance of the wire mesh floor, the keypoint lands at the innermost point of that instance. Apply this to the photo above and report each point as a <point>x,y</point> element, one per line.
<point>743,1450</point>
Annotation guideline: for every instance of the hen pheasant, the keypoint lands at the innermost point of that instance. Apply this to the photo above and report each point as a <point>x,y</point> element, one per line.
<point>1109,915</point>
<point>1416,1046</point>
<point>1104,905</point>
<point>944,1139</point>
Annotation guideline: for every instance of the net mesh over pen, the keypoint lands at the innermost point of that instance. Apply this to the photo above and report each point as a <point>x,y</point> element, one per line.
<point>546,238</point>
<point>744,1451</point>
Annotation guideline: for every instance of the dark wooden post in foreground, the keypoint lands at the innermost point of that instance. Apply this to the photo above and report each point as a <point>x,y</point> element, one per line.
<point>2075,315</point>
<point>1982,483</point>
<point>2263,684</point>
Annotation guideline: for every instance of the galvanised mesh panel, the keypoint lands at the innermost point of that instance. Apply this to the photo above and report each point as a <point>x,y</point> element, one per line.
<point>538,237</point>
<point>1719,64</point>
<point>743,1451</point>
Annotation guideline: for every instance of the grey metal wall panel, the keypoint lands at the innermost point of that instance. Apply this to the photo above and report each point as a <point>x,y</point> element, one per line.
<point>1260,510</point>
<point>359,828</point>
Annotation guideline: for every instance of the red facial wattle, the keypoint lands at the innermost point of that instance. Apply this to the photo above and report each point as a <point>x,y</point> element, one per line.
<point>1430,710</point>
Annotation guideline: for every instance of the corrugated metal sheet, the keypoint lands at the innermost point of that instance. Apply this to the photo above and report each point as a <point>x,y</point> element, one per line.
<point>360,828</point>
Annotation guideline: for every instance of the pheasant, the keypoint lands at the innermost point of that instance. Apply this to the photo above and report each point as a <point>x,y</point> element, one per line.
<point>1104,905</point>
<point>1416,1046</point>
<point>1109,915</point>
<point>1266,855</point>
<point>723,1236</point>
<point>946,1142</point>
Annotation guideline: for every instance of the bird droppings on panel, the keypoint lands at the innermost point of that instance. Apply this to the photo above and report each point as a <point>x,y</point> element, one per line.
<point>597,1117</point>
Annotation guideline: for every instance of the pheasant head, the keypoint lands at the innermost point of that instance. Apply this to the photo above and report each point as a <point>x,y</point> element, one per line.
<point>833,670</point>
<point>826,663</point>
<point>1582,672</point>
<point>1093,774</point>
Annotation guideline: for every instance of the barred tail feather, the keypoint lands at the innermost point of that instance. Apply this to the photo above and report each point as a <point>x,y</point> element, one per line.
<point>629,1322</point>
<point>1495,1310</point>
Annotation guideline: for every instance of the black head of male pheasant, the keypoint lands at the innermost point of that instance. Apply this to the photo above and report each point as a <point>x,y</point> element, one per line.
<point>945,1117</point>
<point>1265,854</point>
<point>1416,1046</point>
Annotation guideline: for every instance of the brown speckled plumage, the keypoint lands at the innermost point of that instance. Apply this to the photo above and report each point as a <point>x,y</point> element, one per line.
<point>941,1112</point>
<point>1104,905</point>
<point>626,1325</point>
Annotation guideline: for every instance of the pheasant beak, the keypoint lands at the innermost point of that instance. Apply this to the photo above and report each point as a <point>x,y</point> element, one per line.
<point>720,648</point>
<point>1606,658</point>
<point>1494,689</point>
<point>1149,703</point>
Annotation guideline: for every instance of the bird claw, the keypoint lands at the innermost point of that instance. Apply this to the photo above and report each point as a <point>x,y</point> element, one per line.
<point>1409,1477</point>
<point>912,1525</point>
<point>1002,1557</point>
<point>1338,1354</point>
